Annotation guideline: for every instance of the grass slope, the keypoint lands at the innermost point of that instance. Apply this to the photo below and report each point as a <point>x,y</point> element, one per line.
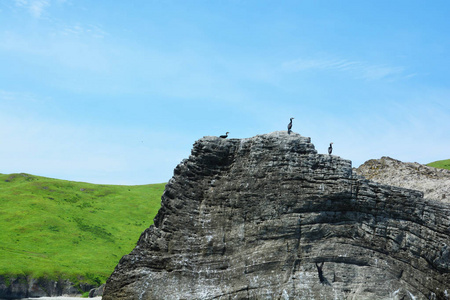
<point>51,227</point>
<point>442,164</point>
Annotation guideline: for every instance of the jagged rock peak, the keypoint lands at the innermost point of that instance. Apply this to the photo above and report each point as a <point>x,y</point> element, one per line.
<point>270,218</point>
<point>433,182</point>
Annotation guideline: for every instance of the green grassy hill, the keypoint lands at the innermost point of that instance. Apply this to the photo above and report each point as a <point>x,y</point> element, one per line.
<point>79,231</point>
<point>442,164</point>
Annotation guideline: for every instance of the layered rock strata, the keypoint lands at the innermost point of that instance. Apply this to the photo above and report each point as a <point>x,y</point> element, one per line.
<point>269,218</point>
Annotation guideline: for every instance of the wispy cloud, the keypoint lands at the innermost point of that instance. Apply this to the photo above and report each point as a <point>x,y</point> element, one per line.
<point>375,72</point>
<point>16,96</point>
<point>76,46</point>
<point>78,30</point>
<point>35,7</point>
<point>357,69</point>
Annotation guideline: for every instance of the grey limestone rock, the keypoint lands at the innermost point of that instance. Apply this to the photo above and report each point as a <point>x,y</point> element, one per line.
<point>15,287</point>
<point>269,218</point>
<point>433,182</point>
<point>96,292</point>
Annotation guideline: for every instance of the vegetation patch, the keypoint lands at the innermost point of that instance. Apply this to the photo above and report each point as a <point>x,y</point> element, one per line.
<point>441,164</point>
<point>79,231</point>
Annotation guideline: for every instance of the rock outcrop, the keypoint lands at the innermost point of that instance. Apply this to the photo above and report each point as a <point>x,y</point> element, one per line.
<point>269,218</point>
<point>433,182</point>
<point>15,287</point>
<point>96,292</point>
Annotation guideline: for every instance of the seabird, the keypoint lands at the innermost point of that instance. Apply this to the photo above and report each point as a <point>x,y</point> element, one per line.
<point>330,149</point>
<point>290,126</point>
<point>225,135</point>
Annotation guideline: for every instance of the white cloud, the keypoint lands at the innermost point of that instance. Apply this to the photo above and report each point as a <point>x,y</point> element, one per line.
<point>76,47</point>
<point>78,30</point>
<point>376,72</point>
<point>357,69</point>
<point>35,7</point>
<point>15,96</point>
<point>21,2</point>
<point>309,64</point>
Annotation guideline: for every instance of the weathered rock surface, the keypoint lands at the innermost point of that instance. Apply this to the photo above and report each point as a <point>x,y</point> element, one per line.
<point>96,292</point>
<point>433,182</point>
<point>27,286</point>
<point>269,218</point>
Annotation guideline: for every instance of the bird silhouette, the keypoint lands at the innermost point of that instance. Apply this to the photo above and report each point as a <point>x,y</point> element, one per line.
<point>289,127</point>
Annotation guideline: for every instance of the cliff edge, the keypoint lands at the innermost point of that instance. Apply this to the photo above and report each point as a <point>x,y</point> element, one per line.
<point>269,218</point>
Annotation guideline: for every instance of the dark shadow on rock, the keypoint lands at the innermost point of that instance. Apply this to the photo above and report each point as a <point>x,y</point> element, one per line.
<point>323,279</point>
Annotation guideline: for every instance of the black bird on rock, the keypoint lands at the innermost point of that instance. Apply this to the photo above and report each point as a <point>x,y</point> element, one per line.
<point>330,149</point>
<point>290,126</point>
<point>225,135</point>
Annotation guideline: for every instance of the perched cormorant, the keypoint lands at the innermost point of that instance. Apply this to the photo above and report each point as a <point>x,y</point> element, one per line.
<point>225,135</point>
<point>290,126</point>
<point>330,149</point>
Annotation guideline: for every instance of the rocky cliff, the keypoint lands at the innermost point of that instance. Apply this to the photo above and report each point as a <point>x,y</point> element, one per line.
<point>269,218</point>
<point>433,182</point>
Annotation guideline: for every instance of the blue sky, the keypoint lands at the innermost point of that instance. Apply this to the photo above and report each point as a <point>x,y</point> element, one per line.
<point>117,92</point>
